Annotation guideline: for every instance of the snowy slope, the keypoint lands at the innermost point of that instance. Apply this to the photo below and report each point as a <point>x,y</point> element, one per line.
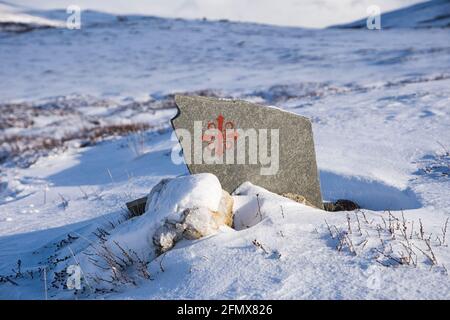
<point>378,102</point>
<point>300,13</point>
<point>429,14</point>
<point>13,19</point>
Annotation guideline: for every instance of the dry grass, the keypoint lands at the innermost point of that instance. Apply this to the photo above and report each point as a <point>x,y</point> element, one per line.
<point>22,146</point>
<point>25,126</point>
<point>121,265</point>
<point>392,241</point>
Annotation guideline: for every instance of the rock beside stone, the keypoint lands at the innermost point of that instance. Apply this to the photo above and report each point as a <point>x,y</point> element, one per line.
<point>195,223</point>
<point>341,205</point>
<point>201,222</point>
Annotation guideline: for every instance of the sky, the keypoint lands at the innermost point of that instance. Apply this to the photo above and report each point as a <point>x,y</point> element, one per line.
<point>300,13</point>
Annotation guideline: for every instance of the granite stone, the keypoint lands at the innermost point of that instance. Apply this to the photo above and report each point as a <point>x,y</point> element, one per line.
<point>283,160</point>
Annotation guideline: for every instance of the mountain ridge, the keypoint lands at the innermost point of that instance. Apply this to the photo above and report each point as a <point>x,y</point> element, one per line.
<point>430,14</point>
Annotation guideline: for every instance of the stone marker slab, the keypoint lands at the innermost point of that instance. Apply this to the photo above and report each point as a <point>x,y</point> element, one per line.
<point>283,160</point>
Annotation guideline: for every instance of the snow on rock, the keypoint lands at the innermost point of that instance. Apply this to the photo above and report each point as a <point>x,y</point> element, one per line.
<point>171,197</point>
<point>190,207</point>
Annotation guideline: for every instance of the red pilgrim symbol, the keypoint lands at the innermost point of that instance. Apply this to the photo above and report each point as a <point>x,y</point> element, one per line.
<point>222,137</point>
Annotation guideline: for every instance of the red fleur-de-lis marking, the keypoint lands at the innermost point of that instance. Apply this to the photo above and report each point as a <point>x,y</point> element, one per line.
<point>223,138</point>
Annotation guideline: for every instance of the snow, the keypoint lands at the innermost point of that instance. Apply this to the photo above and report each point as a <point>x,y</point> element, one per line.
<point>184,193</point>
<point>378,101</point>
<point>434,13</point>
<point>187,203</point>
<point>167,204</point>
<point>13,15</point>
<point>300,13</point>
<point>290,265</point>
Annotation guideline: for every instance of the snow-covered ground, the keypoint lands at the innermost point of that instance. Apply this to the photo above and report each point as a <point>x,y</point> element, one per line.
<point>379,103</point>
<point>299,13</point>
